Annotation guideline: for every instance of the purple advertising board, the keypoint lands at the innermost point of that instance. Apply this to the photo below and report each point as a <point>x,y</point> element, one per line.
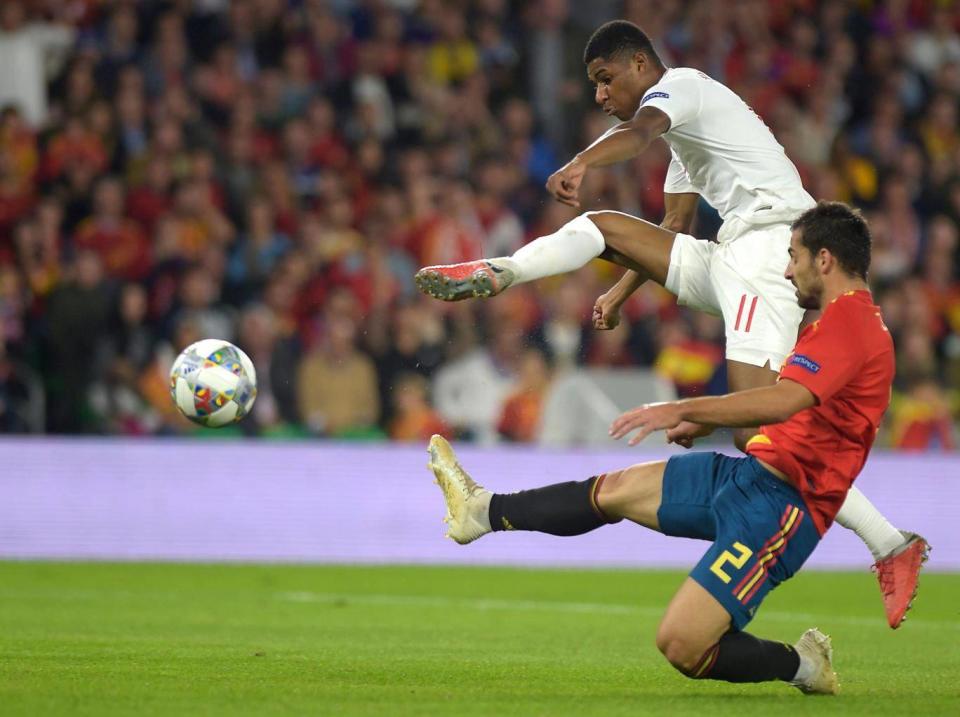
<point>112,499</point>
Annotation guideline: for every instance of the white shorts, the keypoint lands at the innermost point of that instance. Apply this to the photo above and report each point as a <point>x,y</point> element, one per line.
<point>741,279</point>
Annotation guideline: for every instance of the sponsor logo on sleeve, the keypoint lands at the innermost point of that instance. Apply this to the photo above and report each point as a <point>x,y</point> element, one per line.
<point>654,95</point>
<point>804,362</point>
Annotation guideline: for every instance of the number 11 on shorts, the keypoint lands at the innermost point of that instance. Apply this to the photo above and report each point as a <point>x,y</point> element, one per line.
<point>746,321</point>
<point>726,556</point>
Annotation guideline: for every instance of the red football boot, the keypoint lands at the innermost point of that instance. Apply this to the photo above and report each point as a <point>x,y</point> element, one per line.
<point>898,574</point>
<point>472,279</point>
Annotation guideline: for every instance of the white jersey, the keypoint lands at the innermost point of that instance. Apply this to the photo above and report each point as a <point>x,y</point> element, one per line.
<point>723,151</point>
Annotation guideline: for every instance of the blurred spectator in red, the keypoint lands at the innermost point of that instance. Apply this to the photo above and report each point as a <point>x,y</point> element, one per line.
<point>38,250</point>
<point>18,161</point>
<point>523,408</point>
<point>414,419</point>
<point>920,419</point>
<point>13,306</point>
<point>120,243</point>
<point>328,148</point>
<point>18,145</point>
<point>330,48</point>
<point>150,200</point>
<point>75,145</point>
<point>195,221</point>
<point>687,360</point>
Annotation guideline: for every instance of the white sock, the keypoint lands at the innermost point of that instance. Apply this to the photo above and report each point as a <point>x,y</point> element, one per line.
<point>861,516</point>
<point>804,671</point>
<point>482,510</point>
<point>569,248</point>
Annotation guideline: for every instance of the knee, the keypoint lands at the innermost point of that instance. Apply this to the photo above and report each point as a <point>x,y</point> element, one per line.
<point>602,219</point>
<point>617,490</point>
<point>680,650</point>
<point>632,493</point>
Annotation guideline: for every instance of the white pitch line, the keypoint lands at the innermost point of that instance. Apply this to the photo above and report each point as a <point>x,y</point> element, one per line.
<point>578,607</point>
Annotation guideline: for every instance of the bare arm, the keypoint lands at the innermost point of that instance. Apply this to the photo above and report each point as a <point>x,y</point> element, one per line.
<point>757,406</point>
<point>753,407</point>
<point>678,217</point>
<point>626,140</point>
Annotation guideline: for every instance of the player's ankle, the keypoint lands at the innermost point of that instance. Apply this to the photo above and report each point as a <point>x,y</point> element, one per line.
<point>805,671</point>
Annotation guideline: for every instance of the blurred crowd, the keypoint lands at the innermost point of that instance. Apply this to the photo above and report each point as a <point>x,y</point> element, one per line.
<point>273,172</point>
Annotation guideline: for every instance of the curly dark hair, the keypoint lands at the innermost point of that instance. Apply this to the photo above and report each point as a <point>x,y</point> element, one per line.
<point>616,37</point>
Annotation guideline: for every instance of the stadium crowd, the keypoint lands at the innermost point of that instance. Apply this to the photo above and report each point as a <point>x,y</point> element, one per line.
<point>273,172</point>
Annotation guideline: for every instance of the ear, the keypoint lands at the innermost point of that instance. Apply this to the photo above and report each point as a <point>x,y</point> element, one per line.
<point>640,60</point>
<point>825,261</point>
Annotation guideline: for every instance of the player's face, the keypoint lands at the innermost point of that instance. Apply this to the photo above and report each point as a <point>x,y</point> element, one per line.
<point>802,272</point>
<point>619,84</point>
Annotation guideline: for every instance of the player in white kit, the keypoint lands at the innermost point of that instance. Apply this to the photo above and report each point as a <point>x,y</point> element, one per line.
<point>721,151</point>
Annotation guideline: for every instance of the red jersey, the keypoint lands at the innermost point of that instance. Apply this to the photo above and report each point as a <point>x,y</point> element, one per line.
<point>846,360</point>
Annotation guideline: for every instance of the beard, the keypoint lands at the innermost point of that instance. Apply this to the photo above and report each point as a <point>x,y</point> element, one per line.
<point>810,299</point>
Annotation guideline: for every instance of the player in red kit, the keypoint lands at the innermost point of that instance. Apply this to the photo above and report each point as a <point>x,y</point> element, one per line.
<point>765,512</point>
<point>845,360</point>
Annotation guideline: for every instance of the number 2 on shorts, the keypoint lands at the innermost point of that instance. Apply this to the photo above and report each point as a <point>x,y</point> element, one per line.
<point>727,557</point>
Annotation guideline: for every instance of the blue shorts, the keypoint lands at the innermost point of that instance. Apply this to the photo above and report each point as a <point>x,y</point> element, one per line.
<point>760,527</point>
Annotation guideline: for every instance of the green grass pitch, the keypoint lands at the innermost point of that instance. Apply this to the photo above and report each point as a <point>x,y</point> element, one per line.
<point>170,639</point>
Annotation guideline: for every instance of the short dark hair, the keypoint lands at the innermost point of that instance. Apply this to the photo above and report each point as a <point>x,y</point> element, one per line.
<point>839,229</point>
<point>615,38</point>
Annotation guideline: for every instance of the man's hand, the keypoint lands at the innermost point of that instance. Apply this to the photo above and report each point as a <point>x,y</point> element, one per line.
<point>647,419</point>
<point>686,432</point>
<point>606,313</point>
<point>564,184</point>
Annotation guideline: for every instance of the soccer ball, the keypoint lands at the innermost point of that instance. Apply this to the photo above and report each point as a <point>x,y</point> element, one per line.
<point>213,383</point>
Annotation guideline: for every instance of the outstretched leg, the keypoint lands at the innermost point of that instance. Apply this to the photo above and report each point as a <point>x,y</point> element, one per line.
<point>695,635</point>
<point>570,508</point>
<point>473,511</point>
<point>625,240</point>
